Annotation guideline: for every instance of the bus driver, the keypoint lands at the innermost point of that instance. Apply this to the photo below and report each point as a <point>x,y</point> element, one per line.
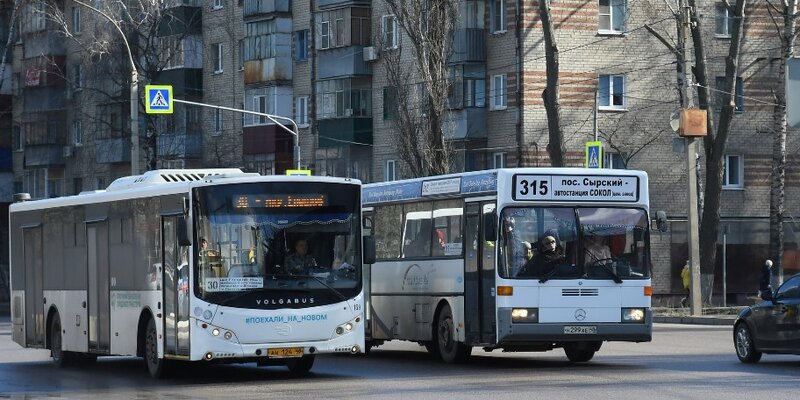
<point>300,262</point>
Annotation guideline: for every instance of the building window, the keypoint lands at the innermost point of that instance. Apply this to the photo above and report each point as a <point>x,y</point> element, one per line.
<point>498,160</point>
<point>76,20</point>
<point>260,41</point>
<point>325,35</point>
<point>301,112</point>
<point>613,161</point>
<point>498,16</point>
<point>611,16</point>
<point>16,133</point>
<point>723,20</point>
<point>241,54</point>
<point>739,100</point>
<point>216,57</point>
<point>301,45</point>
<point>611,92</point>
<point>344,98</point>
<point>260,104</point>
<point>474,12</point>
<point>77,77</point>
<point>389,173</point>
<point>171,51</point>
<point>217,122</point>
<point>389,103</point>
<point>498,92</point>
<point>390,32</point>
<point>77,133</point>
<point>734,172</point>
<point>216,4</point>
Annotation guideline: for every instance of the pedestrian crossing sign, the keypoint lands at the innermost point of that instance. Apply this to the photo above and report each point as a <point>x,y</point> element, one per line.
<point>158,99</point>
<point>594,155</point>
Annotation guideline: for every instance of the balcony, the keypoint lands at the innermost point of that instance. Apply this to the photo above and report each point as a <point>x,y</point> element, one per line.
<point>266,139</point>
<point>112,150</point>
<point>256,8</point>
<point>342,61</point>
<point>468,123</point>
<point>338,132</point>
<point>267,70</point>
<point>180,145</point>
<point>184,19</point>
<point>40,99</point>
<point>47,43</point>
<point>45,155</point>
<point>321,4</point>
<point>184,81</point>
<point>469,45</point>
<point>44,71</point>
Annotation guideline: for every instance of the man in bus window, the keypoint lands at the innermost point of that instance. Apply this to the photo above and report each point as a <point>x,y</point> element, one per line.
<point>596,251</point>
<point>548,256</point>
<point>300,262</point>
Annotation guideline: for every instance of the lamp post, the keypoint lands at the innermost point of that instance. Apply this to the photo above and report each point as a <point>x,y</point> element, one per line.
<point>134,91</point>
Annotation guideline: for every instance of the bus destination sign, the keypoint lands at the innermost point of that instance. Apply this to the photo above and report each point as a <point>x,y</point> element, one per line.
<point>575,188</point>
<point>280,200</point>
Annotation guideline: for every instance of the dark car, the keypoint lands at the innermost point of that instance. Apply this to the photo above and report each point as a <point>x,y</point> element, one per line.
<point>772,326</point>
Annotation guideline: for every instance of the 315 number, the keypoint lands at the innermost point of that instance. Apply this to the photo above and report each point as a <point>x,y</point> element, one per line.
<point>531,187</point>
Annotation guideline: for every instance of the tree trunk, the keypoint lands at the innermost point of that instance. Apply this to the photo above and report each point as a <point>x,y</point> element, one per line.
<point>555,147</point>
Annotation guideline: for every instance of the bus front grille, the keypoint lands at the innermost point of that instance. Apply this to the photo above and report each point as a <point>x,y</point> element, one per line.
<point>578,292</point>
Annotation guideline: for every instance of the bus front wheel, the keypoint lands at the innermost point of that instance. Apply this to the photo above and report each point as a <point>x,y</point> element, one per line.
<point>581,351</point>
<point>450,349</point>
<point>300,366</point>
<point>156,367</point>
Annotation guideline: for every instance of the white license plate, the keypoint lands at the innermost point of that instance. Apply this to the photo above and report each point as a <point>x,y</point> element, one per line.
<point>580,330</point>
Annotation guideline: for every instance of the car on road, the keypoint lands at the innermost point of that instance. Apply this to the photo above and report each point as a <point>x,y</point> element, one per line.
<point>771,326</point>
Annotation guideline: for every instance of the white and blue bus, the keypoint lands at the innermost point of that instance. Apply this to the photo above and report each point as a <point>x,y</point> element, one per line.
<point>527,259</point>
<point>190,265</point>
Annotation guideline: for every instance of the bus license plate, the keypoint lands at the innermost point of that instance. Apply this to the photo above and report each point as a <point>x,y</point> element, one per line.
<point>580,330</point>
<point>283,352</point>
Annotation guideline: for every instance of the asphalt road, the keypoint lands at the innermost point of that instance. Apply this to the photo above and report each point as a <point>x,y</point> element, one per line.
<point>683,361</point>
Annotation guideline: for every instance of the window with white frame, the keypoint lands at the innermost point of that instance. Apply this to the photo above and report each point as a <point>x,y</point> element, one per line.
<point>723,21</point>
<point>260,104</point>
<point>389,172</point>
<point>325,35</point>
<point>611,92</point>
<point>301,111</point>
<point>499,160</point>
<point>474,12</point>
<point>734,172</point>
<point>498,15</point>
<point>76,20</point>
<point>498,92</point>
<point>77,132</point>
<point>217,57</point>
<point>217,122</point>
<point>390,31</point>
<point>216,4</point>
<point>611,16</point>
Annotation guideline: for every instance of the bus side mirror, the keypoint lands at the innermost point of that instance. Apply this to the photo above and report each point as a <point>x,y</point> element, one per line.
<point>661,221</point>
<point>489,227</point>
<point>369,249</point>
<point>183,232</point>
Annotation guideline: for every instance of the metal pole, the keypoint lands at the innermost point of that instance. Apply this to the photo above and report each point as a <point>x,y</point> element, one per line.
<point>595,115</point>
<point>725,267</point>
<point>691,169</point>
<point>134,121</point>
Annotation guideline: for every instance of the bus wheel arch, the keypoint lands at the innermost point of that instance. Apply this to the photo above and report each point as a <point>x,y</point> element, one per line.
<point>52,312</point>
<point>54,338</point>
<point>445,337</point>
<point>141,330</point>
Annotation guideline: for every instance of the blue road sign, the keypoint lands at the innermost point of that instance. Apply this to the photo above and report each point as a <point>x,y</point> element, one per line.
<point>158,99</point>
<point>594,155</point>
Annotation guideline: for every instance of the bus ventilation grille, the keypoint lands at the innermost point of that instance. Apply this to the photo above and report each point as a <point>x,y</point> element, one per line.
<point>578,292</point>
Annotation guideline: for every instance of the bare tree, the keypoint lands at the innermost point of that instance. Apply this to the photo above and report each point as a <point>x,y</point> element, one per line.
<point>550,95</point>
<point>422,107</point>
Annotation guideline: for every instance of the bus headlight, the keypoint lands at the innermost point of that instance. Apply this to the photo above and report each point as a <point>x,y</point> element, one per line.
<point>347,327</point>
<point>524,315</point>
<point>215,332</point>
<point>633,315</point>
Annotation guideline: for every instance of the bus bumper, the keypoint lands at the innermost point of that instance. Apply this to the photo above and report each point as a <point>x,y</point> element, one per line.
<point>514,334</point>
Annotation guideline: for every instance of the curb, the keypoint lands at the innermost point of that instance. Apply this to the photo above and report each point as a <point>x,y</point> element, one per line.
<point>702,320</point>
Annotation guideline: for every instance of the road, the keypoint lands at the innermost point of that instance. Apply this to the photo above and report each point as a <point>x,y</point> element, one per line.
<point>682,361</point>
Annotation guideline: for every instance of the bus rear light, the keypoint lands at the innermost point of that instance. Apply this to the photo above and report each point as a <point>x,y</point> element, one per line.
<point>505,290</point>
<point>648,291</point>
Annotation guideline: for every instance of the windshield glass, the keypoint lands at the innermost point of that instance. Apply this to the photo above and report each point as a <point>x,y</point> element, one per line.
<point>571,243</point>
<point>277,244</point>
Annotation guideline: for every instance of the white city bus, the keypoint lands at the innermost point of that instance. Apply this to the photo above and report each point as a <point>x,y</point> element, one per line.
<point>188,265</point>
<point>454,272</point>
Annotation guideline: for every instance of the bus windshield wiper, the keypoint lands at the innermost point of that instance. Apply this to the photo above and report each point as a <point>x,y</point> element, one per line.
<point>607,268</point>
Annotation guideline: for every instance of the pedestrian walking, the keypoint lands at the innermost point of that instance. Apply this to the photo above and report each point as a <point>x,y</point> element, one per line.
<point>686,277</point>
<point>765,281</point>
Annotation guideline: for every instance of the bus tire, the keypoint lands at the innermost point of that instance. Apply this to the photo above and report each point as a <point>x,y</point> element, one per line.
<point>580,351</point>
<point>60,357</point>
<point>450,350</point>
<point>301,366</point>
<point>156,367</point>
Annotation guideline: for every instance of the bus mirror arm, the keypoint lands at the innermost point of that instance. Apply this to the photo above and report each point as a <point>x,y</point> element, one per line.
<point>369,249</point>
<point>183,232</point>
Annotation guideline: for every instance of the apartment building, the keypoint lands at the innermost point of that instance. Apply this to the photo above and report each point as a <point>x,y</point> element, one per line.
<point>323,63</point>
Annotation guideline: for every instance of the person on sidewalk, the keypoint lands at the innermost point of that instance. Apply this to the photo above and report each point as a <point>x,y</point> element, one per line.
<point>686,277</point>
<point>765,281</point>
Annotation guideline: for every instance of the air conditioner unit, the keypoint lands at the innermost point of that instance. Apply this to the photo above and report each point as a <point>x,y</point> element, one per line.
<point>348,112</point>
<point>370,53</point>
<point>67,151</point>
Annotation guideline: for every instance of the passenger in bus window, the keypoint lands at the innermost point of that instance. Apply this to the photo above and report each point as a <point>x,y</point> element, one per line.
<point>549,255</point>
<point>300,262</point>
<point>596,251</point>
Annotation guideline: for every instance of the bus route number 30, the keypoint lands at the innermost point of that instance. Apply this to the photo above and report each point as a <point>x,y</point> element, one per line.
<point>531,187</point>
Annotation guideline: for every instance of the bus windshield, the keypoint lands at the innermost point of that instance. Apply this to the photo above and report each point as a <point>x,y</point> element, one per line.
<point>277,244</point>
<point>574,243</point>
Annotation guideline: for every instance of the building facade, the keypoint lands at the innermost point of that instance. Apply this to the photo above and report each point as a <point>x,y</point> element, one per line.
<point>324,64</point>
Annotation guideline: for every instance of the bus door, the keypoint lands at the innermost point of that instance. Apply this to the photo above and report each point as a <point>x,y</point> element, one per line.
<point>479,273</point>
<point>98,302</point>
<point>366,274</point>
<point>176,289</point>
<point>34,298</point>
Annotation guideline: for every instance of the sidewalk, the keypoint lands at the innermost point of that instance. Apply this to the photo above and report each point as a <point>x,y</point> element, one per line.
<point>711,316</point>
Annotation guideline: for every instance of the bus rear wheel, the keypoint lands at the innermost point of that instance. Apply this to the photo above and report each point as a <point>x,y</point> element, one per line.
<point>300,366</point>
<point>156,367</point>
<point>581,351</point>
<point>450,349</point>
<point>60,357</point>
